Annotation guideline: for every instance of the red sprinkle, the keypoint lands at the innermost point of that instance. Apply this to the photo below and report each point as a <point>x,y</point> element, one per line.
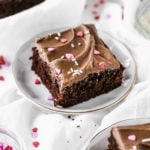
<point>34,129</point>
<point>95,5</point>
<point>37,81</point>
<point>96,17</point>
<point>8,148</point>
<point>102,65</point>
<point>36,144</point>
<point>2,78</point>
<point>2,60</point>
<point>80,34</point>
<point>63,40</point>
<point>101,1</point>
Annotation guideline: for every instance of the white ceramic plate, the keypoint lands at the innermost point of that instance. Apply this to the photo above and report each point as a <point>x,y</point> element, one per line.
<point>100,140</point>
<point>24,79</point>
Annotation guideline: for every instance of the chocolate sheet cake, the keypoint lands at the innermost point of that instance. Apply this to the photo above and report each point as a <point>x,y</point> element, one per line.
<point>136,137</point>
<point>10,7</point>
<point>76,65</point>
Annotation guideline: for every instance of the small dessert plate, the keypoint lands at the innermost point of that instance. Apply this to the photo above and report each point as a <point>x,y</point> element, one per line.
<point>10,139</point>
<point>37,94</point>
<point>100,140</point>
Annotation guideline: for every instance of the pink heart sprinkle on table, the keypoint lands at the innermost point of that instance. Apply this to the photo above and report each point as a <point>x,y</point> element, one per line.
<point>36,144</point>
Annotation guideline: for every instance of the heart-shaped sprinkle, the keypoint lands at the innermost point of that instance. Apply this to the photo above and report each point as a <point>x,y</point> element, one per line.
<point>101,1</point>
<point>51,49</point>
<point>102,65</point>
<point>7,63</point>
<point>37,81</point>
<point>63,40</point>
<point>132,137</point>
<point>96,17</point>
<point>94,12</point>
<point>69,56</point>
<point>58,71</point>
<point>50,98</point>
<point>2,60</point>
<point>36,144</point>
<point>96,52</point>
<point>80,34</point>
<point>34,134</point>
<point>34,129</point>
<point>2,78</point>
<point>95,5</point>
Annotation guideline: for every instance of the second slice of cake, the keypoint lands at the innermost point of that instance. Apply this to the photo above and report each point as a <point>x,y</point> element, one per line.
<point>76,65</point>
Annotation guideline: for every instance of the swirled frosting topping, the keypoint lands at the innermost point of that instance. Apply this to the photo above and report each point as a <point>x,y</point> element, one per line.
<point>75,53</point>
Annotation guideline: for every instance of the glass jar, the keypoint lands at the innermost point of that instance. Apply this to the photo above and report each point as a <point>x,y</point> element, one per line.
<point>142,22</point>
<point>9,138</point>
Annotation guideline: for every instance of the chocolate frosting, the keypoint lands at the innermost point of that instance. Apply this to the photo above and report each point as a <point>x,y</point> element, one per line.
<point>75,53</point>
<point>141,133</point>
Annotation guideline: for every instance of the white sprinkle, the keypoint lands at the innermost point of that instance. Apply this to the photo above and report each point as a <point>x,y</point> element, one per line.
<point>72,45</point>
<point>134,147</point>
<point>57,38</point>
<point>71,70</point>
<point>49,34</point>
<point>79,44</point>
<point>80,71</point>
<point>76,63</point>
<point>146,140</point>
<point>73,59</point>
<point>87,32</point>
<point>62,57</point>
<point>59,34</point>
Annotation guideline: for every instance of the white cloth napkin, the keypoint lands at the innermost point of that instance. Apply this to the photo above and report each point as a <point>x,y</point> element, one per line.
<point>57,131</point>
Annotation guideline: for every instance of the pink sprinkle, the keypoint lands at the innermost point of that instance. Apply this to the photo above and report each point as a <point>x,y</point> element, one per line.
<point>51,49</point>
<point>95,5</point>
<point>36,144</point>
<point>34,134</point>
<point>96,52</point>
<point>132,137</point>
<point>85,6</point>
<point>37,81</point>
<point>50,98</point>
<point>69,56</point>
<point>58,71</point>
<point>80,34</point>
<point>101,1</point>
<point>1,144</point>
<point>108,16</point>
<point>94,12</point>
<point>7,63</point>
<point>2,78</point>
<point>63,40</point>
<point>102,65</point>
<point>35,130</point>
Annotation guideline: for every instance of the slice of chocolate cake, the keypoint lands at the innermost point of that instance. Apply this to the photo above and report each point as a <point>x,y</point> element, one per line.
<point>10,7</point>
<point>136,137</point>
<point>75,65</point>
